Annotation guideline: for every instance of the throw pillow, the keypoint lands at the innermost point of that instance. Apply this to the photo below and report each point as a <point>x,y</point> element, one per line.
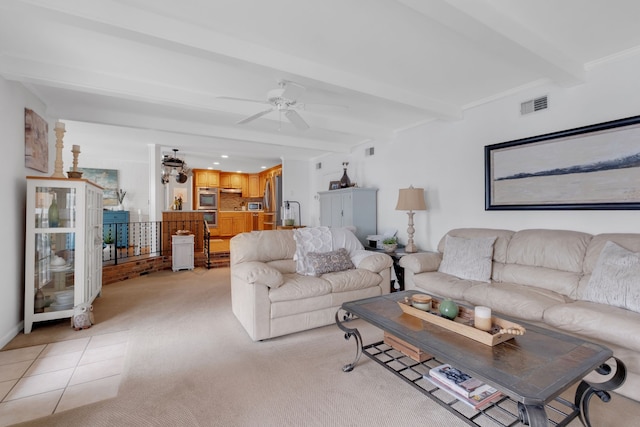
<point>616,278</point>
<point>328,262</point>
<point>469,259</point>
<point>310,239</point>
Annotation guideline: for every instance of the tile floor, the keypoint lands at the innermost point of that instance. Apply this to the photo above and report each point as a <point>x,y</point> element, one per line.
<point>45,379</point>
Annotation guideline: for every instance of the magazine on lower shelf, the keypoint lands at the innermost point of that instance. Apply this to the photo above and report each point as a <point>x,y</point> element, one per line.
<point>485,396</point>
<point>460,382</point>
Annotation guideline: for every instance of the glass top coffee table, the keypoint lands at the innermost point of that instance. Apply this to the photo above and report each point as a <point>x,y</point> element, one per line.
<point>531,370</point>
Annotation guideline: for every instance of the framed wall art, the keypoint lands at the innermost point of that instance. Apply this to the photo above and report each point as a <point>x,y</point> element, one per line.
<point>36,141</point>
<point>334,185</point>
<point>591,167</point>
<point>107,179</point>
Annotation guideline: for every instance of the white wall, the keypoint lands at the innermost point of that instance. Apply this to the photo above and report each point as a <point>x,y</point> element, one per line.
<point>447,159</point>
<point>14,98</point>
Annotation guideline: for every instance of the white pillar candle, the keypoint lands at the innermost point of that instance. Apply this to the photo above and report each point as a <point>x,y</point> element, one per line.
<point>59,125</point>
<point>482,318</point>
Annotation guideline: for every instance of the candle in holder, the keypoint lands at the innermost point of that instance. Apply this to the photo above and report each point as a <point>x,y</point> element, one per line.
<point>482,318</point>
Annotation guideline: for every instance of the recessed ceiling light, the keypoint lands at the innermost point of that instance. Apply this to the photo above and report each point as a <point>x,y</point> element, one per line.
<point>263,167</point>
<point>210,168</point>
<point>224,156</point>
<point>216,163</point>
<point>238,171</point>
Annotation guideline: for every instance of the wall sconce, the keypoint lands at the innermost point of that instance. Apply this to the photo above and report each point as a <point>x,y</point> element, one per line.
<point>411,199</point>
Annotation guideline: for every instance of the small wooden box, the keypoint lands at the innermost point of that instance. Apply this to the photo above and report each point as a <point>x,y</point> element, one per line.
<point>405,348</point>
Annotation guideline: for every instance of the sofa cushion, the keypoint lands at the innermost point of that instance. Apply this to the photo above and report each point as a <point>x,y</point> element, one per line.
<point>352,280</point>
<point>616,278</point>
<point>597,321</point>
<point>327,262</point>
<point>469,259</point>
<point>521,301</point>
<point>262,246</point>
<point>499,247</point>
<point>310,239</point>
<point>297,287</point>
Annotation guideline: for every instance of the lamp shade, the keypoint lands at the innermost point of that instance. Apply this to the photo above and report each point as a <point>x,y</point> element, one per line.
<point>411,199</point>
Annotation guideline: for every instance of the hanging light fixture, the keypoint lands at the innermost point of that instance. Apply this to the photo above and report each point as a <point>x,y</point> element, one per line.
<point>173,165</point>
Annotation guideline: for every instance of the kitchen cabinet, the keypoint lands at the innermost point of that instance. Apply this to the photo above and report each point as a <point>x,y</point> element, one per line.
<point>350,207</point>
<point>253,188</point>
<point>254,221</point>
<point>232,223</point>
<point>232,180</point>
<point>206,178</point>
<point>63,247</point>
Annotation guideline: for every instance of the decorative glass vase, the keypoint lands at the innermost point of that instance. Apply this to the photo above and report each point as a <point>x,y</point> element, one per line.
<point>345,181</point>
<point>54,214</point>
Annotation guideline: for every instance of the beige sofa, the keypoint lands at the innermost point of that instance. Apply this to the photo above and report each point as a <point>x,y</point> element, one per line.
<point>270,299</point>
<point>543,277</point>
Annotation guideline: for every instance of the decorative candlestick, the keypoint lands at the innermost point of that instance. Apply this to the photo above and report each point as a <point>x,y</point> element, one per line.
<point>73,173</point>
<point>57,172</point>
<point>75,150</point>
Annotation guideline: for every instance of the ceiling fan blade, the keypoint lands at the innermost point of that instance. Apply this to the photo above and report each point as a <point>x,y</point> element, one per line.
<point>297,121</point>
<point>261,101</point>
<point>292,91</point>
<point>255,116</point>
<point>322,107</point>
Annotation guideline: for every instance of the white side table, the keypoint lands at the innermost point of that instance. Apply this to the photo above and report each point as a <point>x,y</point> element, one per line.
<point>182,252</point>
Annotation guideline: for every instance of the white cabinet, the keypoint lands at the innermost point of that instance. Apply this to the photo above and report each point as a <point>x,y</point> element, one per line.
<point>350,207</point>
<point>182,252</point>
<point>63,247</point>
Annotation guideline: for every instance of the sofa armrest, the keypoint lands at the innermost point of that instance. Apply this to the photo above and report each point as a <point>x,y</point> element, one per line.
<point>256,272</point>
<point>421,262</point>
<point>372,261</point>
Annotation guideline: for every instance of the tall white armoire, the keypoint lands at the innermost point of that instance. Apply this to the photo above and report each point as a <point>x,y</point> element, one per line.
<point>350,207</point>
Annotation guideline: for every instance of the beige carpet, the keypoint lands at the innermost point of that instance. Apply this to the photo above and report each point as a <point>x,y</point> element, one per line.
<point>190,363</point>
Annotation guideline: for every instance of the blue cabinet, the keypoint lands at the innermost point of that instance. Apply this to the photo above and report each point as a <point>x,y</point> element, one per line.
<point>116,224</point>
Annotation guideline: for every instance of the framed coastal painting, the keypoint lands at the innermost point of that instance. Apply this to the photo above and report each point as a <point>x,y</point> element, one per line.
<point>36,142</point>
<point>107,179</point>
<point>591,167</point>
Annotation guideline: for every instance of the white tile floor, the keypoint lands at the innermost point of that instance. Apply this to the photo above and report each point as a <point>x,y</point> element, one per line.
<point>45,379</point>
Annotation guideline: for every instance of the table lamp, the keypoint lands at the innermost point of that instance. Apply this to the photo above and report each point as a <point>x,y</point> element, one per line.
<point>411,199</point>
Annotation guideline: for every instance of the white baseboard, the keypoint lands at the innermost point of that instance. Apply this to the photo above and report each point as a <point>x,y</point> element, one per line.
<point>11,334</point>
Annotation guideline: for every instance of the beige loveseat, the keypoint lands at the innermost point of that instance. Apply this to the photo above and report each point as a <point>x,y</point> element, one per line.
<point>271,299</point>
<point>545,277</point>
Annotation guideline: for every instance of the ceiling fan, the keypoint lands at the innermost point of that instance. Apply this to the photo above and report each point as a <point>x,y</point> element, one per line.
<point>284,99</point>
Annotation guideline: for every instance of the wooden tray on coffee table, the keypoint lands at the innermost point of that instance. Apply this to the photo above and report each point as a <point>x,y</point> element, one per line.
<point>501,331</point>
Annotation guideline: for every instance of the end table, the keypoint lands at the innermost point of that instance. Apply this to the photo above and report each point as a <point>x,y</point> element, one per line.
<point>398,284</point>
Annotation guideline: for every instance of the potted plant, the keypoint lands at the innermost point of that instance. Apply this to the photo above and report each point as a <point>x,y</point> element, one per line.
<point>108,251</point>
<point>390,244</point>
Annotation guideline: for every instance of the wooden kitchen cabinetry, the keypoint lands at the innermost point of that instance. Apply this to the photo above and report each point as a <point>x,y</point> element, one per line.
<point>232,223</point>
<point>253,188</point>
<point>233,180</point>
<point>206,178</point>
<point>255,221</point>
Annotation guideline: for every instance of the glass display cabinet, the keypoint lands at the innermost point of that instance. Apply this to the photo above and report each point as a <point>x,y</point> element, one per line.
<point>63,247</point>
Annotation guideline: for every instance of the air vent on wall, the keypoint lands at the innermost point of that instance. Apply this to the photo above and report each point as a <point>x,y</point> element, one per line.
<point>533,105</point>
<point>369,151</point>
<point>319,165</point>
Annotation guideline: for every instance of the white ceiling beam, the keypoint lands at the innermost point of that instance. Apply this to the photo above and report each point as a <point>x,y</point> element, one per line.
<point>120,20</point>
<point>481,22</point>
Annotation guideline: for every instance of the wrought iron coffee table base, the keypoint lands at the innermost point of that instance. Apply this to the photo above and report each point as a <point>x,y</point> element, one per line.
<point>504,412</point>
